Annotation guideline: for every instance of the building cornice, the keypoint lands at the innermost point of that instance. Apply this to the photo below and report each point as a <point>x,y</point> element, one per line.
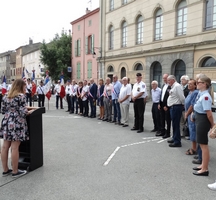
<point>85,16</point>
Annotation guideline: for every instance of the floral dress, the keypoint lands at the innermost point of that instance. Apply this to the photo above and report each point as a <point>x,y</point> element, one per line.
<point>14,124</point>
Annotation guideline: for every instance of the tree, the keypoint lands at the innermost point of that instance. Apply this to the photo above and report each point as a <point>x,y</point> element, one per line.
<point>56,56</point>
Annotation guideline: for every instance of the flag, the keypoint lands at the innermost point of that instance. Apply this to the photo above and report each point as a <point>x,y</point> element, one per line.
<point>34,88</point>
<point>4,88</point>
<point>62,91</point>
<point>27,72</point>
<point>23,74</point>
<point>47,86</point>
<point>33,74</point>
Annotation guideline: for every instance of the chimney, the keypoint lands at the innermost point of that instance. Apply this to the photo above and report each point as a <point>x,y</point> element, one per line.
<point>87,11</point>
<point>30,41</point>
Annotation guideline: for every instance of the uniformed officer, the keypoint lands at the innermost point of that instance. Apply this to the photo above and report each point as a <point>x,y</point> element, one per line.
<point>138,95</point>
<point>57,90</point>
<point>41,95</point>
<point>28,92</point>
<point>204,122</point>
<point>68,94</point>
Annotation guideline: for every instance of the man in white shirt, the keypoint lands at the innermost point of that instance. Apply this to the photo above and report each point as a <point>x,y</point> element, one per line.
<point>9,86</point>
<point>138,95</point>
<point>40,93</point>
<point>108,100</point>
<point>124,100</point>
<point>74,100</point>
<point>57,90</point>
<point>29,92</point>
<point>68,94</point>
<point>84,97</point>
<point>176,103</point>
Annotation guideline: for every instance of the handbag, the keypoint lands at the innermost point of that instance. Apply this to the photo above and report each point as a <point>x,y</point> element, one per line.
<point>185,129</point>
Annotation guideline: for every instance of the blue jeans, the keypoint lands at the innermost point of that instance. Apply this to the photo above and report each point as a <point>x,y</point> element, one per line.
<point>176,113</point>
<point>117,111</point>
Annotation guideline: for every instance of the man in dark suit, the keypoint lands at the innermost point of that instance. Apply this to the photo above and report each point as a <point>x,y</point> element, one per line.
<point>164,109</point>
<point>93,97</point>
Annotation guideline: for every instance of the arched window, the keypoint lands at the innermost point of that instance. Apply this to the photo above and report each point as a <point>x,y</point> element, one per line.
<point>138,67</point>
<point>209,62</point>
<point>111,37</point>
<point>124,34</point>
<point>110,69</point>
<point>210,18</point>
<point>159,25</point>
<point>180,70</point>
<point>139,30</point>
<point>182,18</point>
<point>123,72</point>
<point>157,73</point>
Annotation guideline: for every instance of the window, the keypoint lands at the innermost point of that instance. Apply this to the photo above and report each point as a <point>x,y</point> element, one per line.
<point>78,27</point>
<point>111,5</point>
<point>139,30</point>
<point>138,67</point>
<point>124,2</point>
<point>124,34</point>
<point>90,22</point>
<point>180,70</point>
<point>209,62</point>
<point>89,44</point>
<point>110,69</point>
<point>182,18</point>
<point>159,25</point>
<point>157,73</point>
<point>77,48</point>
<point>111,37</point>
<point>210,21</point>
<point>78,70</point>
<point>89,69</point>
<point>123,72</point>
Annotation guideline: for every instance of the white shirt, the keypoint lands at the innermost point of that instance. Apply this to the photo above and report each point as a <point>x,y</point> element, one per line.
<point>74,90</point>
<point>40,90</point>
<point>68,89</point>
<point>108,90</point>
<point>176,95</point>
<point>164,91</point>
<point>139,88</point>
<point>57,89</point>
<point>85,91</point>
<point>124,91</point>
<point>9,87</point>
<point>28,87</point>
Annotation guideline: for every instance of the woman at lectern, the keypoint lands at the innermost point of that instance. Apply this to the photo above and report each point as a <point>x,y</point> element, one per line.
<point>14,126</point>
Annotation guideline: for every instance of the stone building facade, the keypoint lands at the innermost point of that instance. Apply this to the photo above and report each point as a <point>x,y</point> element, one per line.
<point>156,37</point>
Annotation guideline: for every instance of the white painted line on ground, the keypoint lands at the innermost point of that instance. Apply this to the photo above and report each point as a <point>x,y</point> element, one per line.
<point>111,156</point>
<point>146,138</point>
<point>156,139</point>
<point>161,141</point>
<point>127,145</point>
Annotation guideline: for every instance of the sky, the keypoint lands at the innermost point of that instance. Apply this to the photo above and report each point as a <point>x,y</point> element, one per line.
<point>41,19</point>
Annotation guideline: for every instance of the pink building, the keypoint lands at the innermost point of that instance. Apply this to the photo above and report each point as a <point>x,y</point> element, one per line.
<point>85,41</point>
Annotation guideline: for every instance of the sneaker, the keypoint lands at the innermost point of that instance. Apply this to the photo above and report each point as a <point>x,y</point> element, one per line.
<point>6,173</point>
<point>19,173</point>
<point>212,186</point>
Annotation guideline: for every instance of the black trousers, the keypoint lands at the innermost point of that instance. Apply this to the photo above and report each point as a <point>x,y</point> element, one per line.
<point>139,107</point>
<point>68,97</point>
<point>165,119</point>
<point>156,116</point>
<point>29,99</point>
<point>85,107</point>
<point>80,105</point>
<point>57,100</point>
<point>41,99</point>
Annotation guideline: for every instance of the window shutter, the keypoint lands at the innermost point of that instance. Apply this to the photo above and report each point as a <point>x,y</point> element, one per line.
<point>79,47</point>
<point>78,70</point>
<point>90,69</point>
<point>86,45</point>
<point>75,48</point>
<point>92,44</point>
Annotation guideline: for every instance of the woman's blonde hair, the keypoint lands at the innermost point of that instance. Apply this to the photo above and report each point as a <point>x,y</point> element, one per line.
<point>207,80</point>
<point>16,88</point>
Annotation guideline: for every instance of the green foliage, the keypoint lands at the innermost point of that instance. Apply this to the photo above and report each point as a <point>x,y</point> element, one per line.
<point>56,56</point>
